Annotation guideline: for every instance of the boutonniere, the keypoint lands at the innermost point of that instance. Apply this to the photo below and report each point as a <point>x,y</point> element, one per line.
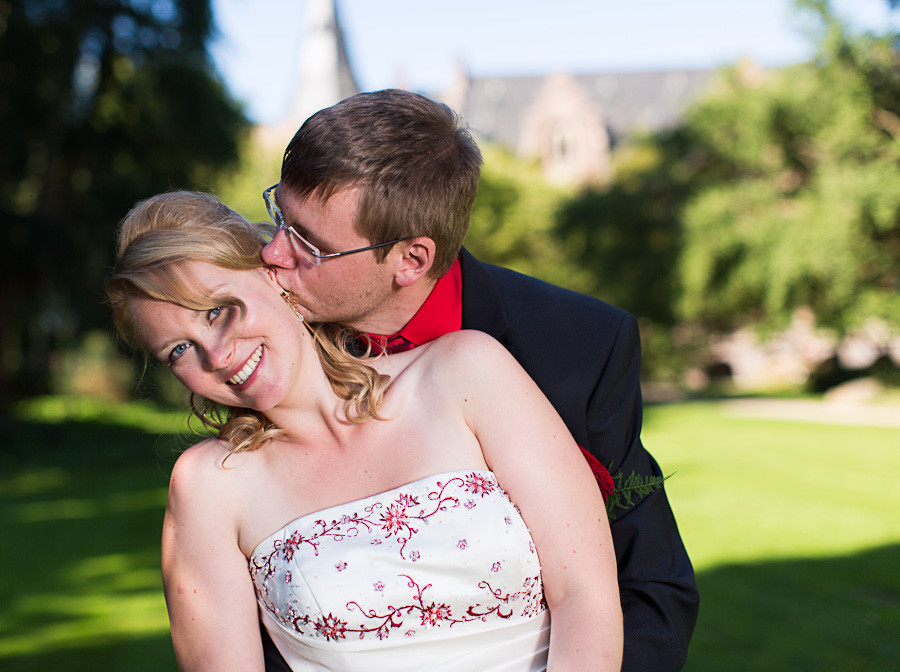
<point>619,491</point>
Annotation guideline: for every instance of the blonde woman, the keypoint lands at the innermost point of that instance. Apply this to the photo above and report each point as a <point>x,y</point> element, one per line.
<point>421,510</point>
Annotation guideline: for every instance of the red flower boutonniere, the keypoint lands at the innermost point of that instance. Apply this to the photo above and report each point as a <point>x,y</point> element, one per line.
<point>601,473</point>
<point>619,492</point>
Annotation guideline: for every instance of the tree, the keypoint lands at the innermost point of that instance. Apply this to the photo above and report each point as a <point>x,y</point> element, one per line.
<point>627,235</point>
<point>103,102</point>
<point>513,219</point>
<point>803,206</point>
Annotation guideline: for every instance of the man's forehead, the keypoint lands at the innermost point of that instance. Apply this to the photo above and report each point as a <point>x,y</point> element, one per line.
<point>314,215</point>
<point>321,196</point>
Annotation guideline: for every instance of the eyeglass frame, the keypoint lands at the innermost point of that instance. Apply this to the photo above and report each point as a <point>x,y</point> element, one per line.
<point>312,251</point>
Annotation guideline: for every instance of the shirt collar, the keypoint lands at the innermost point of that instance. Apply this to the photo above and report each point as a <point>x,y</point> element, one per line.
<point>440,314</point>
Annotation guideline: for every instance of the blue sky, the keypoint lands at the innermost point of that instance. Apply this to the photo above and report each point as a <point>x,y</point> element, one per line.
<point>417,44</point>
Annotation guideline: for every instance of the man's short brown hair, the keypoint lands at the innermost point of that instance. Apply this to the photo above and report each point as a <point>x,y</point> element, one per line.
<point>418,167</point>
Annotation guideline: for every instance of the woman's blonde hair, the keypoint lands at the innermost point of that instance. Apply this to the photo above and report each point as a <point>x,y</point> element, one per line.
<point>162,232</point>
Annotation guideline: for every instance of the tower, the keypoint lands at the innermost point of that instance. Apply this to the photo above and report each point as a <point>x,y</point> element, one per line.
<point>324,71</point>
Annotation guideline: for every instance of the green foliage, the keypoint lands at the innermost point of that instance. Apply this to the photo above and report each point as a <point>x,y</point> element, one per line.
<point>258,167</point>
<point>103,103</point>
<point>94,368</point>
<point>513,221</point>
<point>779,190</point>
<point>798,196</point>
<point>629,487</point>
<point>627,235</point>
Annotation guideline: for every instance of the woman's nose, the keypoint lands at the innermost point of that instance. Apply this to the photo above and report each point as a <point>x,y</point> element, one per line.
<point>219,353</point>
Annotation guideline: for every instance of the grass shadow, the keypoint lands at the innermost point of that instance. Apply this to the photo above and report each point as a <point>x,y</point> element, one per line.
<point>81,507</point>
<point>824,614</point>
<point>150,653</point>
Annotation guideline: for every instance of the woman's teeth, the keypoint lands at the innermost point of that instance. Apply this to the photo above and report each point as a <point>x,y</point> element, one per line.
<point>241,376</point>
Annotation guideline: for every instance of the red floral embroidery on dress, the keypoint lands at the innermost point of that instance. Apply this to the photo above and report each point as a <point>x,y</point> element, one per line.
<point>408,500</point>
<point>331,627</point>
<point>434,615</point>
<point>399,520</point>
<point>479,485</point>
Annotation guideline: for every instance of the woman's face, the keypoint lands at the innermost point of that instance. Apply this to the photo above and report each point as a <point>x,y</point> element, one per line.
<point>248,361</point>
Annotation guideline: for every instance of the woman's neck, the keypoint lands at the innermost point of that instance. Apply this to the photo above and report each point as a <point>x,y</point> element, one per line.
<point>311,409</point>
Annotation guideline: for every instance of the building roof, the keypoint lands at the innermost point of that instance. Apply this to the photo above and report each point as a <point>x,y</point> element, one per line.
<point>629,102</point>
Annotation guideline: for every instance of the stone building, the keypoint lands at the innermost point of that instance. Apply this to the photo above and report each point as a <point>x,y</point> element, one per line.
<point>569,122</point>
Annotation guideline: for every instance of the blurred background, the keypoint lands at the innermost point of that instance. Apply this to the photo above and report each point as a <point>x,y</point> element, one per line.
<point>728,172</point>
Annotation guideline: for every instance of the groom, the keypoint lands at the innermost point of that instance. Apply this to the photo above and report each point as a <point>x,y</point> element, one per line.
<point>377,192</point>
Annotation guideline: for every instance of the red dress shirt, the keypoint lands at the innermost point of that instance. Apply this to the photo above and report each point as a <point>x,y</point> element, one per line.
<point>440,314</point>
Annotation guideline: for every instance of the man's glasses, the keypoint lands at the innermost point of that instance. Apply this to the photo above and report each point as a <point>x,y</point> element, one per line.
<point>309,251</point>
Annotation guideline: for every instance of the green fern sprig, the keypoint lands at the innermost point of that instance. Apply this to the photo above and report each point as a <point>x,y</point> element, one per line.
<point>635,485</point>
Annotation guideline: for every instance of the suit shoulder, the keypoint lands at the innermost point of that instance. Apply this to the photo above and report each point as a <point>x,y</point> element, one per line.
<point>561,305</point>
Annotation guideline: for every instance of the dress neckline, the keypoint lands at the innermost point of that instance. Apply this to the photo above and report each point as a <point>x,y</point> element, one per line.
<point>378,495</point>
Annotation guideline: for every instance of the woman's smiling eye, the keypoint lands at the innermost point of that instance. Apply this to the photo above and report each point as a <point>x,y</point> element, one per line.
<point>178,351</point>
<point>212,315</point>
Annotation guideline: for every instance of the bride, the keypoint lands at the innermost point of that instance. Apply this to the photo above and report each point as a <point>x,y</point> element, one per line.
<point>421,510</point>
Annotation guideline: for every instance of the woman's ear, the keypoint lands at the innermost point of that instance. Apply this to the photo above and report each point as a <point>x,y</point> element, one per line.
<point>271,278</point>
<point>416,259</point>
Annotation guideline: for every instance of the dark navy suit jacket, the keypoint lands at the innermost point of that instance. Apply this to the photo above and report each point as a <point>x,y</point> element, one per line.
<point>585,356</point>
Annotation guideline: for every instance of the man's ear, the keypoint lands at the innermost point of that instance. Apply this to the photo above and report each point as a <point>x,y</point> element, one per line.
<point>416,259</point>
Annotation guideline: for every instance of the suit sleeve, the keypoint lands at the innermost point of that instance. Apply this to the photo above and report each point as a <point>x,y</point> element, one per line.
<point>274,660</point>
<point>656,579</point>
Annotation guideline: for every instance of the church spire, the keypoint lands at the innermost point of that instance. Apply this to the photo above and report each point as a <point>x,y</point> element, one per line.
<point>324,70</point>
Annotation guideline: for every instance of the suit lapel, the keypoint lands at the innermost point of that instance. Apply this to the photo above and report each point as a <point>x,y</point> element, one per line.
<point>482,305</point>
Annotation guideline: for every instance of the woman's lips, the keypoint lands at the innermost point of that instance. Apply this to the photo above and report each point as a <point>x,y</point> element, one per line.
<point>247,370</point>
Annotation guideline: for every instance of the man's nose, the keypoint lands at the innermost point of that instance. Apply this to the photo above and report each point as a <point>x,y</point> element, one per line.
<point>278,252</point>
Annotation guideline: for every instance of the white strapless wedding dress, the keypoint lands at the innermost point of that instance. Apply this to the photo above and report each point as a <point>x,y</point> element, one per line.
<point>439,574</point>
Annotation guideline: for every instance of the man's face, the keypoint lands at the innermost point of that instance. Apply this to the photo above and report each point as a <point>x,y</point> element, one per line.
<point>352,289</point>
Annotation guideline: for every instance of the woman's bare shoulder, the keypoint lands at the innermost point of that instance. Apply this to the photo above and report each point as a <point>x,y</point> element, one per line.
<point>465,356</point>
<point>203,465</point>
<point>465,345</point>
<point>203,452</point>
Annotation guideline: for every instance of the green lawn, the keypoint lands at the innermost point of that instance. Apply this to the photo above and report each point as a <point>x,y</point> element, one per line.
<point>81,505</point>
<point>794,530</point>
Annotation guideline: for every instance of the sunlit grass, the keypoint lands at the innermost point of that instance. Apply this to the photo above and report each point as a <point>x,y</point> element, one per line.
<point>792,527</point>
<point>748,489</point>
<point>140,415</point>
<point>794,531</point>
<point>82,492</point>
<point>39,511</point>
<point>105,609</point>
